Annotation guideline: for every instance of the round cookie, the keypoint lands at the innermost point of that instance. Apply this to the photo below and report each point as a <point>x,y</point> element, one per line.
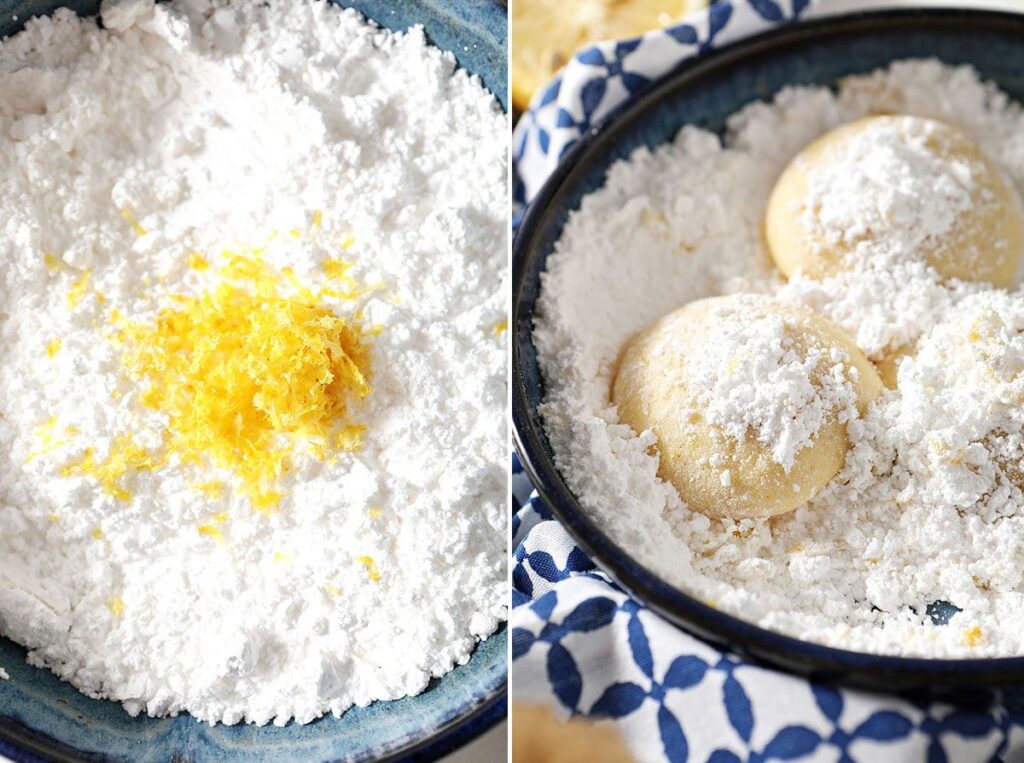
<point>686,379</point>
<point>895,187</point>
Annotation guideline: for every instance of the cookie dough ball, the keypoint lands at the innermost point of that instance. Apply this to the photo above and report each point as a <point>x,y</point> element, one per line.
<point>891,188</point>
<point>748,399</point>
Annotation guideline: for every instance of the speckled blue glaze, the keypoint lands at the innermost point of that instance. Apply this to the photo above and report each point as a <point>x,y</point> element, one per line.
<point>43,718</point>
<point>704,92</point>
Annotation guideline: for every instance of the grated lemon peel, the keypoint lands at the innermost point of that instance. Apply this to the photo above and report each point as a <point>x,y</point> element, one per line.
<point>78,289</point>
<point>116,606</point>
<point>371,567</point>
<point>246,374</point>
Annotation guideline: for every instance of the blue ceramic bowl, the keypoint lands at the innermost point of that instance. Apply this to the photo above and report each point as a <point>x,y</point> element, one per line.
<point>42,718</point>
<point>704,92</point>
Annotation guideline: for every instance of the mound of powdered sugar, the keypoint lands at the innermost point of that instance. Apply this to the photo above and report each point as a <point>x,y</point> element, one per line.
<point>300,130</point>
<point>928,508</point>
<point>887,192</point>
<point>755,377</point>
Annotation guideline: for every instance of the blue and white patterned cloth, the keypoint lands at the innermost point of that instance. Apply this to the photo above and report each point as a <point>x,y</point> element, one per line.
<point>584,646</point>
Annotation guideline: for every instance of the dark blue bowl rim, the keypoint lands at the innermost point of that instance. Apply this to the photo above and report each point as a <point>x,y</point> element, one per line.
<point>31,746</point>
<point>749,640</point>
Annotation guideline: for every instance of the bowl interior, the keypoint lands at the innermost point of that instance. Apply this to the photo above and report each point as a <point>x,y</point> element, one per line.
<point>473,30</point>
<point>705,92</point>
<point>45,717</point>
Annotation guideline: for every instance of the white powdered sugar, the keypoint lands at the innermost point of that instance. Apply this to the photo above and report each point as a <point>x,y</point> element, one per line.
<point>886,192</point>
<point>135,159</point>
<point>755,377</point>
<point>927,515</point>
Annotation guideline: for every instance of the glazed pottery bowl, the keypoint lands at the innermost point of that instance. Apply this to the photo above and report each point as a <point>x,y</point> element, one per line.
<point>704,91</point>
<point>42,718</point>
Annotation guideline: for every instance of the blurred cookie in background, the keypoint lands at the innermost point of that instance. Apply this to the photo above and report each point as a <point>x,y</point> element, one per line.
<point>546,33</point>
<point>539,737</point>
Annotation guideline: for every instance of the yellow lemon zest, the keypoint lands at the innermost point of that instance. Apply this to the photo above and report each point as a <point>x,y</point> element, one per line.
<point>52,263</point>
<point>212,490</point>
<point>333,589</point>
<point>129,217</point>
<point>347,242</point>
<point>280,557</point>
<point>375,512</point>
<point>77,290</point>
<point>97,533</point>
<point>973,636</point>
<point>213,532</point>
<point>115,605</point>
<point>125,456</point>
<point>318,218</point>
<point>196,261</point>
<point>246,374</point>
<point>500,327</point>
<point>371,567</point>
<point>54,518</point>
<point>49,439</point>
<point>53,346</point>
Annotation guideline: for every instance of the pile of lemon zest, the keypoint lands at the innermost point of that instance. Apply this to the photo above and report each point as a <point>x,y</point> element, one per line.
<point>500,327</point>
<point>53,346</point>
<point>213,532</point>
<point>973,636</point>
<point>126,213</point>
<point>349,438</point>
<point>281,557</point>
<point>78,289</point>
<point>375,512</point>
<point>333,589</point>
<point>371,567</point>
<point>115,605</point>
<point>347,242</point>
<point>53,263</point>
<point>125,456</point>
<point>196,261</point>
<point>97,533</point>
<point>54,518</point>
<point>318,218</point>
<point>245,375</point>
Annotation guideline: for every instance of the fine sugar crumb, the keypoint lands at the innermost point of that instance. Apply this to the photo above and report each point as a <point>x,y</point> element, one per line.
<point>3,675</point>
<point>136,159</point>
<point>926,512</point>
<point>755,378</point>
